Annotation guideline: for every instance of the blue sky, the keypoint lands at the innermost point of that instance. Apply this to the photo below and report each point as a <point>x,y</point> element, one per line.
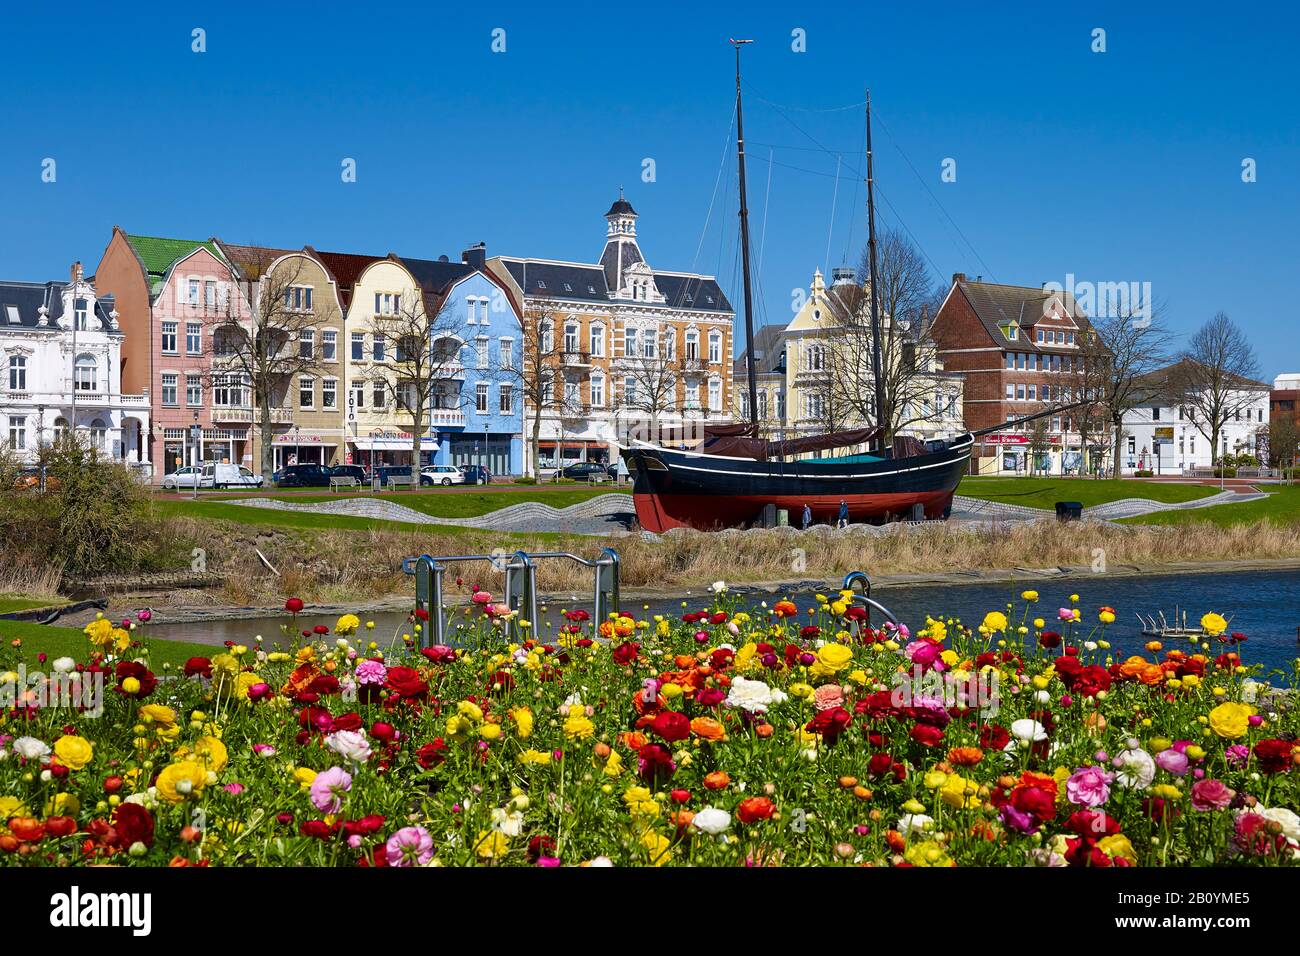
<point>1115,166</point>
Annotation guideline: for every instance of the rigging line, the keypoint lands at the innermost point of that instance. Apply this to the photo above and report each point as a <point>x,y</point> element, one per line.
<point>722,164</point>
<point>767,196</point>
<point>830,231</point>
<point>801,169</point>
<point>802,109</point>
<point>935,198</point>
<point>899,219</point>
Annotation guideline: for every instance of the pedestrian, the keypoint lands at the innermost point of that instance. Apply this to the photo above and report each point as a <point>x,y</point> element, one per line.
<point>807,516</point>
<point>844,514</point>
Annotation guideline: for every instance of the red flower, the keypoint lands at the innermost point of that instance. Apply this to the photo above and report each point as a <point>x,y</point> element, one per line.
<point>719,618</point>
<point>830,723</point>
<point>382,731</point>
<point>879,763</point>
<point>672,726</point>
<point>1274,755</point>
<point>349,721</point>
<point>625,653</point>
<point>1049,639</point>
<point>993,737</point>
<point>134,824</point>
<point>198,665</point>
<point>61,826</point>
<point>293,605</point>
<point>431,754</point>
<point>406,683</point>
<point>128,669</point>
<point>927,735</point>
<point>753,809</point>
<point>318,829</point>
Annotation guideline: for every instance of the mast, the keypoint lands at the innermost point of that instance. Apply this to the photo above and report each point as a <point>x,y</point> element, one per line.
<point>875,299</point>
<point>744,250</point>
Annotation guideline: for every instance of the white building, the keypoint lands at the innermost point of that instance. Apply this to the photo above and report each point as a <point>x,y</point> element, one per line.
<point>61,368</point>
<point>1165,436</point>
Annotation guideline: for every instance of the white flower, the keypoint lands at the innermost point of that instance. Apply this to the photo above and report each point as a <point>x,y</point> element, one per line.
<point>64,665</point>
<point>601,861</point>
<point>1028,730</point>
<point>1286,819</point>
<point>753,695</point>
<point>712,820</point>
<point>1042,697</point>
<point>1136,769</point>
<point>509,822</point>
<point>717,587</point>
<point>30,748</point>
<point>350,744</point>
<point>573,700</point>
<point>910,823</point>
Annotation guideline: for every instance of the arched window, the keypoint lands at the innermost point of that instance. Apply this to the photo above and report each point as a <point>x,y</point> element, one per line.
<point>98,433</point>
<point>60,428</point>
<point>86,373</point>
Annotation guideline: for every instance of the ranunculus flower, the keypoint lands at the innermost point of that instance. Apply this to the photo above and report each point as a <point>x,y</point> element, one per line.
<point>711,820</point>
<point>1135,769</point>
<point>753,696</point>
<point>409,846</point>
<point>753,809</point>
<point>349,744</point>
<point>1089,787</point>
<point>1174,761</point>
<point>1212,795</point>
<point>672,726</point>
<point>327,787</point>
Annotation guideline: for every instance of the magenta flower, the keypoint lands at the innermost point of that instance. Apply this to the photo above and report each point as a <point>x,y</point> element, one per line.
<point>371,672</point>
<point>1089,787</point>
<point>1237,755</point>
<point>234,788</point>
<point>327,787</point>
<point>1174,761</point>
<point>409,846</point>
<point>1212,795</point>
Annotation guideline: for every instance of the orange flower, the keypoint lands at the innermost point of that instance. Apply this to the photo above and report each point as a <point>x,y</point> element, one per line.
<point>965,756</point>
<point>708,729</point>
<point>633,740</point>
<point>644,707</point>
<point>754,809</point>
<point>684,661</point>
<point>26,828</point>
<point>681,819</point>
<point>717,780</point>
<point>785,609</point>
<point>895,841</point>
<point>764,730</point>
<point>847,782</point>
<point>862,793</point>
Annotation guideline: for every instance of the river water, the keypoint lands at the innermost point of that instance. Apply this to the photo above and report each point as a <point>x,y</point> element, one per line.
<point>1263,605</point>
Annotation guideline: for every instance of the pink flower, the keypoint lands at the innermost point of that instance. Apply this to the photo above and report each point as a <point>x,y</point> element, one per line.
<point>1066,614</point>
<point>264,750</point>
<point>1211,795</point>
<point>234,788</point>
<point>923,653</point>
<point>548,861</point>
<point>1237,755</point>
<point>1174,761</point>
<point>327,787</point>
<point>828,697</point>
<point>409,846</point>
<point>1089,787</point>
<point>371,672</point>
<point>482,597</point>
<point>144,616</point>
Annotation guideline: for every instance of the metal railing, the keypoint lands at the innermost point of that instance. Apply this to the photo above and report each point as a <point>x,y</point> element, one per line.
<point>520,587</point>
<point>860,579</point>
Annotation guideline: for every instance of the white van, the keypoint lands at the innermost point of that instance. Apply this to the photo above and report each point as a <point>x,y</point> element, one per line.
<point>220,475</point>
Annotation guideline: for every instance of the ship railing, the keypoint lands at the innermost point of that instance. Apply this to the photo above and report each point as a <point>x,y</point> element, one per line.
<point>860,584</point>
<point>520,587</point>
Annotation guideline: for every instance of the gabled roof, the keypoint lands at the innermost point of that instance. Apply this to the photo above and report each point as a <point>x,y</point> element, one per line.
<point>1165,383</point>
<point>998,305</point>
<point>346,269</point>
<point>545,278</point>
<point>158,253</point>
<point>28,297</point>
<point>253,260</point>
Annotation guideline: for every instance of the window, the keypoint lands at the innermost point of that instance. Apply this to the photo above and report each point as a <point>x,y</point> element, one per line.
<point>597,391</point>
<point>597,340</point>
<point>1032,393</point>
<point>469,310</point>
<point>379,396</point>
<point>670,345</point>
<point>169,337</point>
<point>193,391</point>
<point>692,393</point>
<point>631,342</point>
<point>169,381</point>
<point>329,345</point>
<point>358,394</point>
<point>1011,392</point>
<point>650,343</point>
<point>693,346</point>
<point>84,375</point>
<point>306,391</point>
<point>1132,444</point>
<point>193,298</point>
<point>1011,360</point>
<point>1013,333</point>
<point>715,395</point>
<point>12,312</point>
<point>481,397</point>
<point>98,433</point>
<point>18,433</point>
<point>193,338</point>
<point>629,391</point>
<point>387,303</point>
<point>1039,336</point>
<point>306,343</point>
<point>506,353</point>
<point>481,351</point>
<point>378,348</point>
<point>715,348</point>
<point>1155,414</point>
<point>507,405</point>
<point>358,346</point>
<point>298,298</point>
<point>228,391</point>
<point>762,403</point>
<point>17,373</point>
<point>210,293</point>
<point>329,393</point>
<point>572,398</point>
<point>571,336</point>
<point>546,336</point>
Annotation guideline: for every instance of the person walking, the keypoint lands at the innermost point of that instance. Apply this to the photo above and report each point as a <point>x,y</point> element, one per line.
<point>807,516</point>
<point>844,514</point>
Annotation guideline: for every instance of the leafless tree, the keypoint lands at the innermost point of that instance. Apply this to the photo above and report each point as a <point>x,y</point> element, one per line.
<point>1039,444</point>
<point>261,349</point>
<point>652,382</point>
<point>1283,440</point>
<point>1214,378</point>
<point>540,376</point>
<point>419,359</point>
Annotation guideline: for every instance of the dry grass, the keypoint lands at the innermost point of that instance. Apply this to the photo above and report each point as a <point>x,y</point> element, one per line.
<point>352,566</point>
<point>38,582</point>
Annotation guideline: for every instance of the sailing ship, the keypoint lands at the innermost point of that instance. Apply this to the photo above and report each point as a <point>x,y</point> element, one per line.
<point>735,474</point>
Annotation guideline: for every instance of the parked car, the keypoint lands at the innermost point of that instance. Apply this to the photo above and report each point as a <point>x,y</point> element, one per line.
<point>384,472</point>
<point>186,477</point>
<point>475,474</point>
<point>351,471</point>
<point>219,475</point>
<point>441,475</point>
<point>303,476</point>
<point>584,470</point>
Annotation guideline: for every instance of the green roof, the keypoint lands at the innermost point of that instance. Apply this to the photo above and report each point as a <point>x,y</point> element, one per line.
<point>158,254</point>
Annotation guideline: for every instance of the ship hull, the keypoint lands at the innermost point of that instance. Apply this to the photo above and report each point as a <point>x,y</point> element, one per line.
<point>674,489</point>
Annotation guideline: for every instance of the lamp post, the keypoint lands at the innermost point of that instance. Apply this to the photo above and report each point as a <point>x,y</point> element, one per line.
<point>198,469</point>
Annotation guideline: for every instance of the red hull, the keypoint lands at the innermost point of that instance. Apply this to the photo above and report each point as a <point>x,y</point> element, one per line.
<point>660,513</point>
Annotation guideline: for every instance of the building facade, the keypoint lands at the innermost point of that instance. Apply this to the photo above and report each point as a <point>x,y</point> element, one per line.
<point>624,346</point>
<point>1018,349</point>
<point>61,347</point>
<point>770,366</point>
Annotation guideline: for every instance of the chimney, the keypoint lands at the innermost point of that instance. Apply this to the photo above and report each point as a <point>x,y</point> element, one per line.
<point>958,277</point>
<point>475,255</point>
<point>76,272</point>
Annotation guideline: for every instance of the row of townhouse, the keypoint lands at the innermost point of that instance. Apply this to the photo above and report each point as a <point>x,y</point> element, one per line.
<point>156,356</point>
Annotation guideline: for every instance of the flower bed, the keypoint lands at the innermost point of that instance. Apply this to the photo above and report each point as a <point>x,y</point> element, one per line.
<point>778,736</point>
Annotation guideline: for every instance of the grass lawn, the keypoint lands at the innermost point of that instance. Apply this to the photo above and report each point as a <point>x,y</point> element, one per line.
<point>71,642</point>
<point>1045,492</point>
<point>1282,506</point>
<point>9,603</point>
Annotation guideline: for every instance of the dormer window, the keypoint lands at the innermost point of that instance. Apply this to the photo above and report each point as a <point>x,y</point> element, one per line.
<point>541,284</point>
<point>12,312</point>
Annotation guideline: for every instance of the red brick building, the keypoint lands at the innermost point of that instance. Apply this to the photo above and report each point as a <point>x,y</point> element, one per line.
<point>1018,349</point>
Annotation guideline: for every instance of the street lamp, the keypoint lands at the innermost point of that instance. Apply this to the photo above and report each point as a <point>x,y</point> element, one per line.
<point>198,469</point>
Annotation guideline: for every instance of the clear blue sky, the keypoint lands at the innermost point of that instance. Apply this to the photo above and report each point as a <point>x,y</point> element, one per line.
<point>1119,166</point>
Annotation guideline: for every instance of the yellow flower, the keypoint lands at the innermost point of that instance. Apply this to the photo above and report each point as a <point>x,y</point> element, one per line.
<point>1230,720</point>
<point>834,657</point>
<point>1106,617</point>
<point>73,752</point>
<point>1117,844</point>
<point>304,776</point>
<point>578,727</point>
<point>179,780</point>
<point>212,753</point>
<point>491,844</point>
<point>1029,595</point>
<point>745,656</point>
<point>243,682</point>
<point>538,758</point>
<point>523,721</point>
<point>347,624</point>
<point>658,847</point>
<point>157,714</point>
<point>11,807</point>
<point>1214,624</point>
<point>100,631</point>
<point>927,853</point>
<point>62,804</point>
<point>995,621</point>
<point>468,708</point>
<point>959,793</point>
<point>490,731</point>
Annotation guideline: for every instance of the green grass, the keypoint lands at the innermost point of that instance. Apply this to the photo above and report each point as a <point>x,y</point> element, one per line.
<point>1282,506</point>
<point>58,642</point>
<point>9,603</point>
<point>1045,492</point>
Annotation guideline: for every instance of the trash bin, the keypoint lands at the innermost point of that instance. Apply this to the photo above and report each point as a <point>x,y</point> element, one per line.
<point>782,518</point>
<point>1069,510</point>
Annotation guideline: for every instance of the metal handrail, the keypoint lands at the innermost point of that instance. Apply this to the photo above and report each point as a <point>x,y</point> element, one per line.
<point>520,587</point>
<point>860,578</point>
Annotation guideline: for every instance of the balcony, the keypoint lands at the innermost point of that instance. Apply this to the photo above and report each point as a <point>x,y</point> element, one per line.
<point>446,417</point>
<point>446,369</point>
<point>575,359</point>
<point>247,415</point>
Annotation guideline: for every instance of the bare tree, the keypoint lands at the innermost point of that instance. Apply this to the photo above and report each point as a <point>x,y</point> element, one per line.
<point>417,358</point>
<point>539,377</point>
<point>1215,378</point>
<point>261,350</point>
<point>651,381</point>
<point>1283,441</point>
<point>1039,444</point>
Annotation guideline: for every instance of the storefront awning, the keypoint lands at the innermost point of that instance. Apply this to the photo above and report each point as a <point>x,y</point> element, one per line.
<point>389,444</point>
